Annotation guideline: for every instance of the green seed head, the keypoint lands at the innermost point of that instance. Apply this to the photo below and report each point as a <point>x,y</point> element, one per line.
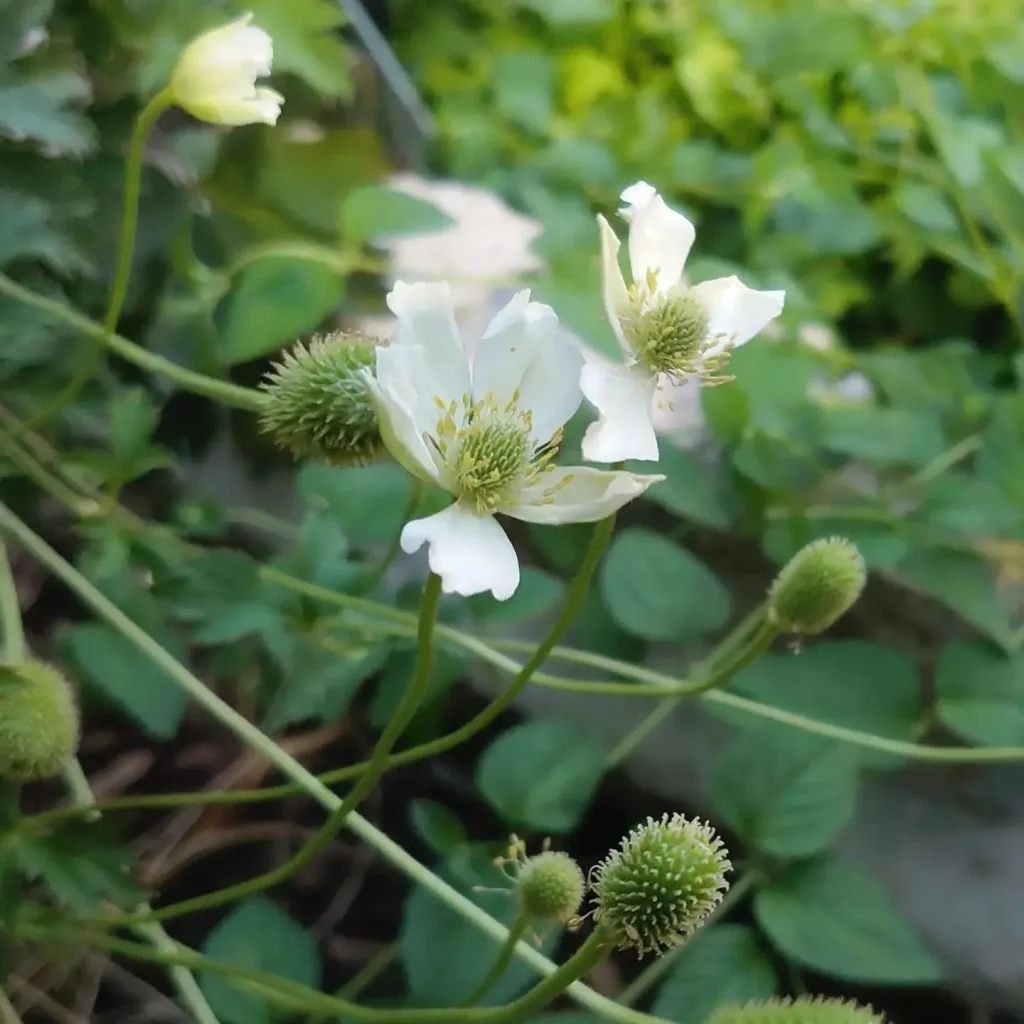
<point>669,337</point>
<point>805,1010</point>
<point>318,404</point>
<point>550,887</point>
<point>490,459</point>
<point>817,587</point>
<point>38,721</point>
<point>661,884</point>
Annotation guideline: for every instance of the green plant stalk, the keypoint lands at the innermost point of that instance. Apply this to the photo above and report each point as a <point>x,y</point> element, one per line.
<point>8,1014</point>
<point>125,250</point>
<point>13,449</point>
<point>10,613</point>
<point>292,769</point>
<point>198,383</point>
<point>377,765</point>
<point>504,958</point>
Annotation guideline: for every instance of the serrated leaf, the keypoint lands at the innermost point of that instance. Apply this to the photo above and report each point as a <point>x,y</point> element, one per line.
<point>980,694</point>
<point>40,106</point>
<point>374,211</point>
<point>369,503</point>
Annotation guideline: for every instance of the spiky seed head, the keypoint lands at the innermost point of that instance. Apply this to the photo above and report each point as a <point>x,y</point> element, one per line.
<point>38,721</point>
<point>805,1010</point>
<point>318,403</point>
<point>661,884</point>
<point>818,586</point>
<point>550,887</point>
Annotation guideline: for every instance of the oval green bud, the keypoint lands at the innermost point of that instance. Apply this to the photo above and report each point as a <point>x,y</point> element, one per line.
<point>817,587</point>
<point>38,721</point>
<point>550,887</point>
<point>805,1010</point>
<point>318,404</point>
<point>661,884</point>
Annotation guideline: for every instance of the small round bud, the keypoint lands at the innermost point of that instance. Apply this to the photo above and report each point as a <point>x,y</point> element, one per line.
<point>550,887</point>
<point>318,402</point>
<point>38,721</point>
<point>805,1010</point>
<point>661,884</point>
<point>819,585</point>
<point>669,337</point>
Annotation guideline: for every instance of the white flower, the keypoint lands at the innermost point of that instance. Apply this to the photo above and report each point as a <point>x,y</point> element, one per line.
<point>486,432</point>
<point>215,77</point>
<point>665,328</point>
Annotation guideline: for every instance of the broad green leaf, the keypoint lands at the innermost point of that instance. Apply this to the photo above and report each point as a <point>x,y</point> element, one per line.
<point>886,436</point>
<point>852,683</point>
<point>785,792</point>
<point>373,211</point>
<point>258,935</point>
<point>272,302</point>
<point>692,489</point>
<point>542,775</point>
<point>117,669</point>
<point>980,694</point>
<point>523,84</point>
<point>925,206</point>
<point>658,590</point>
<point>369,503</point>
<point>882,544</point>
<point>321,554</point>
<point>727,964</point>
<point>537,593</point>
<point>830,916</point>
<point>41,105</point>
<point>437,826</point>
<point>775,380</point>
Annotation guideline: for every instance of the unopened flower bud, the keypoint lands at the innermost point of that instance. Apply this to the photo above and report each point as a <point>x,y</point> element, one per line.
<point>550,887</point>
<point>661,884</point>
<point>38,721</point>
<point>818,586</point>
<point>805,1010</point>
<point>319,404</point>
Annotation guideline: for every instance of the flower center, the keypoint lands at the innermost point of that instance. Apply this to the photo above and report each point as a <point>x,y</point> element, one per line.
<point>670,335</point>
<point>490,455</point>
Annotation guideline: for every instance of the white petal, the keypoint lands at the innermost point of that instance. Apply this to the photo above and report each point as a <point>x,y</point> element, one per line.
<point>509,345</point>
<point>470,553</point>
<point>736,313</point>
<point>622,396</point>
<point>579,494</point>
<point>550,388</point>
<point>660,238</point>
<point>426,318</point>
<point>613,288</point>
<point>638,194</point>
<point>404,408</point>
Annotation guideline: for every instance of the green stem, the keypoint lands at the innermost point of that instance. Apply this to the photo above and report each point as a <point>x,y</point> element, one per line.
<point>658,968</point>
<point>288,766</point>
<point>500,965</point>
<point>8,1014</point>
<point>375,768</point>
<point>188,988</point>
<point>198,383</point>
<point>12,448</point>
<point>125,249</point>
<point>10,612</point>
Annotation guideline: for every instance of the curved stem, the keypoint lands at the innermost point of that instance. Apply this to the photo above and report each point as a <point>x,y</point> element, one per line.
<point>375,768</point>
<point>10,612</point>
<point>125,249</point>
<point>8,1014</point>
<point>504,958</point>
<point>198,383</point>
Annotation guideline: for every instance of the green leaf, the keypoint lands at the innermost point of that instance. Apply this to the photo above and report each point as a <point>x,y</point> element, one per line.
<point>523,83</point>
<point>373,211</point>
<point>258,935</point>
<point>321,554</point>
<point>964,582</point>
<point>691,489</point>
<point>851,683</point>
<point>832,917</point>
<point>925,206</point>
<point>980,694</point>
<point>40,105</point>
<point>369,503</point>
<point>726,965</point>
<point>883,544</point>
<point>445,955</point>
<point>787,793</point>
<point>398,672</point>
<point>542,775</point>
<point>658,590</point>
<point>537,593</point>
<point>116,668</point>
<point>271,303</point>
<point>885,436</point>
<point>437,826</point>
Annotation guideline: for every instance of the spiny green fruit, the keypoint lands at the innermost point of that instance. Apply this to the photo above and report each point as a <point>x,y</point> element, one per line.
<point>550,887</point>
<point>38,721</point>
<point>662,883</point>
<point>318,402</point>
<point>818,586</point>
<point>805,1010</point>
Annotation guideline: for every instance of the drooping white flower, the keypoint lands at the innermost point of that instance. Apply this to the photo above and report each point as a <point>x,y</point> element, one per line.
<point>665,327</point>
<point>215,77</point>
<point>486,430</point>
